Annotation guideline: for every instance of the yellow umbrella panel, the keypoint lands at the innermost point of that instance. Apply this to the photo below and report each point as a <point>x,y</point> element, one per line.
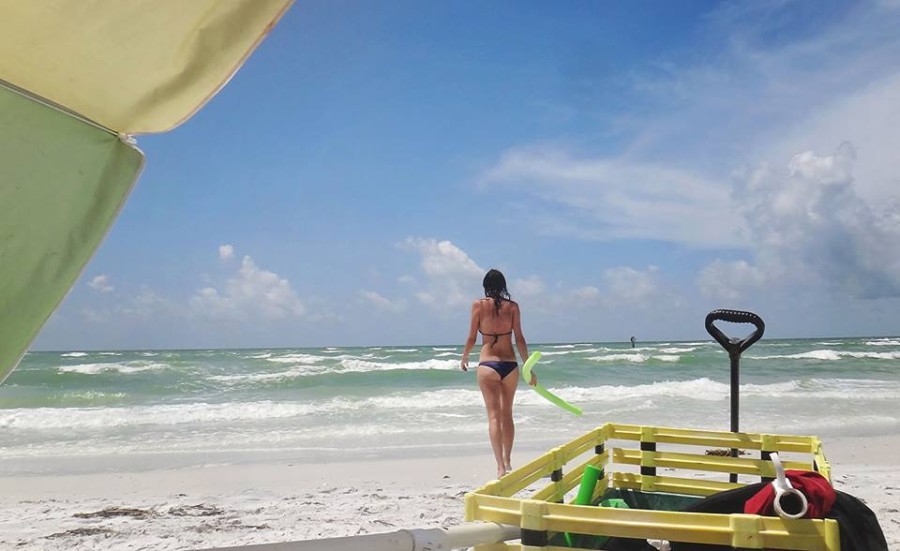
<point>135,66</point>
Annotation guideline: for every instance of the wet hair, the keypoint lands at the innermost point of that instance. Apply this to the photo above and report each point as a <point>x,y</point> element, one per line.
<point>495,287</point>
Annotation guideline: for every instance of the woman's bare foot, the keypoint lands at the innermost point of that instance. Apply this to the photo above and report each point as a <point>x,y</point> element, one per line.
<point>507,467</point>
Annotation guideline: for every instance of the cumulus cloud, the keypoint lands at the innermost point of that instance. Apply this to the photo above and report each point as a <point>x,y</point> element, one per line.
<point>226,252</point>
<point>101,283</point>
<point>252,293</point>
<point>451,276</point>
<point>808,223</point>
<point>729,280</point>
<point>527,287</point>
<point>587,293</point>
<point>631,286</point>
<point>381,302</point>
<point>784,78</point>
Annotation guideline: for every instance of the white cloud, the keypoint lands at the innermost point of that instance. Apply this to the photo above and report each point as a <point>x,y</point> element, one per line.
<point>588,293</point>
<point>808,224</point>
<point>869,118</point>
<point>728,281</point>
<point>628,285</point>
<point>101,283</point>
<point>608,198</point>
<point>528,287</point>
<point>383,303</point>
<point>226,252</point>
<point>92,315</point>
<point>147,304</point>
<point>251,294</point>
<point>452,278</point>
<point>783,78</point>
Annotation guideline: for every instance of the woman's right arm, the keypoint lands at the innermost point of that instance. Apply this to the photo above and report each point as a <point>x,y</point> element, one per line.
<point>470,340</point>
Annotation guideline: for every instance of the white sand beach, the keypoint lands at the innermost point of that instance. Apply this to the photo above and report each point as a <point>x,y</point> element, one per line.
<point>277,501</point>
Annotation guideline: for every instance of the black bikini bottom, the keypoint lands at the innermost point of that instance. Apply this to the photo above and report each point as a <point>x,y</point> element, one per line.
<point>502,368</point>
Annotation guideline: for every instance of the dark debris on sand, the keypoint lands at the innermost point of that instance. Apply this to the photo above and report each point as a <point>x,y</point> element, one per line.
<point>724,453</point>
<point>199,510</point>
<point>90,531</point>
<point>110,512</point>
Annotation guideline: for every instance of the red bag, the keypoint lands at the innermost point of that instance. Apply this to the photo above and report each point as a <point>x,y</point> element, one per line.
<point>818,491</point>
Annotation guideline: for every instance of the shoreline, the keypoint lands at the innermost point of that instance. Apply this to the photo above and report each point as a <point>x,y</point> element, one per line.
<point>283,500</point>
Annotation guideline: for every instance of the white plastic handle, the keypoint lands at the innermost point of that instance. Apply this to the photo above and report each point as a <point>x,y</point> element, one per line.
<point>783,487</point>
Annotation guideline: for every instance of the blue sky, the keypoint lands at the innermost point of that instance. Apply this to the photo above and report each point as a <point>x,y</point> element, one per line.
<point>630,166</point>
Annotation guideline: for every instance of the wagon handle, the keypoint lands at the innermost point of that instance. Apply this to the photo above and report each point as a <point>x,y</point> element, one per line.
<point>730,344</point>
<point>734,347</point>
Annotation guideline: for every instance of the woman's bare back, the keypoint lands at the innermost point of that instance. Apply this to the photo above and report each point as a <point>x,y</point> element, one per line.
<point>497,330</point>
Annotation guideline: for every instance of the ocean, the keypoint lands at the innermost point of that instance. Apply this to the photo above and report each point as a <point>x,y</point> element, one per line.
<point>85,411</point>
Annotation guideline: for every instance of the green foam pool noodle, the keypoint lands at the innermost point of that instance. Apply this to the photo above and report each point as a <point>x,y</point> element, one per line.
<point>585,492</point>
<point>554,399</point>
<point>588,483</point>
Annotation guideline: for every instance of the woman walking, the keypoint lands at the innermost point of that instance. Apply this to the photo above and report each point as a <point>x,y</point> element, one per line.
<point>498,318</point>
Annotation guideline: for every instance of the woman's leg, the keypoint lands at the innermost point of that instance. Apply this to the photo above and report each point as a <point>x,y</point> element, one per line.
<point>490,384</point>
<point>507,428</point>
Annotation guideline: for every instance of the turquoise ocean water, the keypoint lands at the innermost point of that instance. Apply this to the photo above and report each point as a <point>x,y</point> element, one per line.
<point>89,410</point>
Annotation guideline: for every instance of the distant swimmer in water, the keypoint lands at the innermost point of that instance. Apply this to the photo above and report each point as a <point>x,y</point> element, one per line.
<point>498,318</point>
<point>632,341</point>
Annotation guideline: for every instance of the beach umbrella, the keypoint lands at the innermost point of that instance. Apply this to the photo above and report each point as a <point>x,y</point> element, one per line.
<point>78,80</point>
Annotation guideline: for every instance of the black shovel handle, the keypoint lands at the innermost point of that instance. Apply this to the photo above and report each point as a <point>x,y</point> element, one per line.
<point>732,345</point>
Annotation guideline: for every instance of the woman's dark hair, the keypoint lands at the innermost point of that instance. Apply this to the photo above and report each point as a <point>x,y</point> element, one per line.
<point>495,287</point>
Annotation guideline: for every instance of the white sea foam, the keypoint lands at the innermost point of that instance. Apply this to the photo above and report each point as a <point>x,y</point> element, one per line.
<point>884,342</point>
<point>874,355</point>
<point>422,401</point>
<point>446,354</point>
<point>78,419</point>
<point>830,355</point>
<point>347,365</point>
<point>365,366</point>
<point>297,358</point>
<point>823,355</point>
<point>634,358</point>
<point>299,371</point>
<point>125,367</point>
<point>440,349</point>
<point>402,415</point>
<point>677,350</point>
<point>569,352</point>
<point>703,389</point>
<point>73,355</point>
<point>404,349</point>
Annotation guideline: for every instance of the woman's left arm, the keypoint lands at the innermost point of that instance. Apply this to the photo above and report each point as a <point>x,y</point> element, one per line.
<point>470,340</point>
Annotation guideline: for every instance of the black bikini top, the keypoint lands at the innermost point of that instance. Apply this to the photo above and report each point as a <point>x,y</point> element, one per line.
<point>495,335</point>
